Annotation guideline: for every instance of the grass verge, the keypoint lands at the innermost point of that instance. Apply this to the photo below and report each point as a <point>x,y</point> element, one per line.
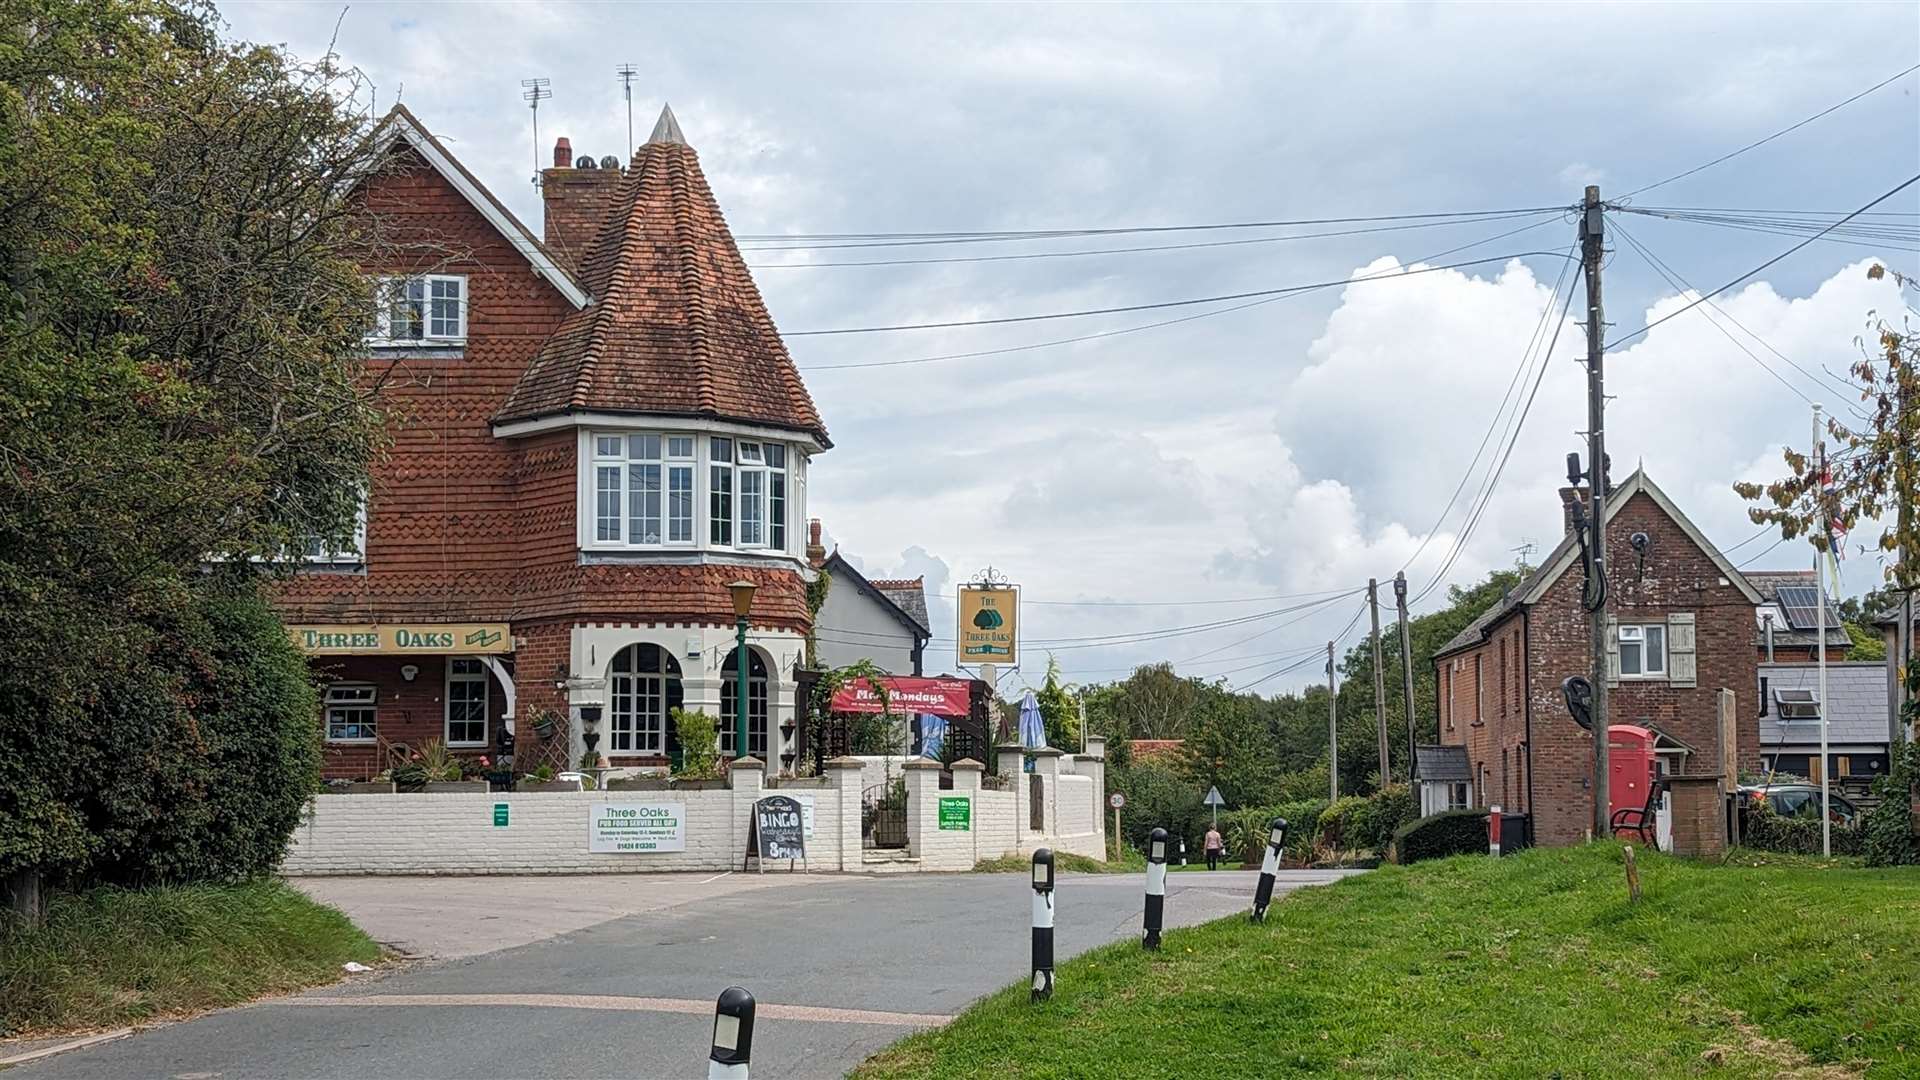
<point>1533,965</point>
<point>108,957</point>
<point>1063,862</point>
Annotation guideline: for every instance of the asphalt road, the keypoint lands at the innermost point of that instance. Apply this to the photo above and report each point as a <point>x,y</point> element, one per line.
<point>841,967</point>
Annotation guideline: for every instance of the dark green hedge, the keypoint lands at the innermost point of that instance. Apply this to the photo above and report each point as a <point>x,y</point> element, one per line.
<point>1436,836</point>
<point>1764,830</point>
<point>189,758</point>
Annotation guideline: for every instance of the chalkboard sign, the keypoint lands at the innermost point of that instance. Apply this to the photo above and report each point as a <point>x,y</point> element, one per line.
<point>779,829</point>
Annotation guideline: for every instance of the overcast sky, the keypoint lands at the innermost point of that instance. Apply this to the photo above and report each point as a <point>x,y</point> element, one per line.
<point>1289,448</point>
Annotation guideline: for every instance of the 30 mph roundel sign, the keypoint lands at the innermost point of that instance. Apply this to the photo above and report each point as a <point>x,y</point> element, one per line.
<point>1116,800</point>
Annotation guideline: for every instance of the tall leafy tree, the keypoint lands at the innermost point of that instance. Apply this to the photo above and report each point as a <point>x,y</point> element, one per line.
<point>179,318</point>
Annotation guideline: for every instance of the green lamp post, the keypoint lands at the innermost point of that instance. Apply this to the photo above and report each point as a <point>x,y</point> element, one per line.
<point>742,603</point>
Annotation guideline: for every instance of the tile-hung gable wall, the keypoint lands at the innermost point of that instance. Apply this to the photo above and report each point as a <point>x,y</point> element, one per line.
<point>1676,580</point>
<point>444,509</point>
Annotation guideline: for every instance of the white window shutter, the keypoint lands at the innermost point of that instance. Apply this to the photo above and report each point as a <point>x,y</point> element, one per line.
<point>1613,651</point>
<point>1682,665</point>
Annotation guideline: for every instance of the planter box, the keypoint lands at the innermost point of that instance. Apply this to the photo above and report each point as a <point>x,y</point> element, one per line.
<point>456,787</point>
<point>638,783</point>
<point>698,785</point>
<point>547,785</point>
<point>809,782</point>
<point>360,787</point>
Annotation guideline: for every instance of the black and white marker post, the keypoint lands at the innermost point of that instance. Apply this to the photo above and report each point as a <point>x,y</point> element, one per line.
<point>1269,866</point>
<point>1042,925</point>
<point>732,1035</point>
<point>1156,885</point>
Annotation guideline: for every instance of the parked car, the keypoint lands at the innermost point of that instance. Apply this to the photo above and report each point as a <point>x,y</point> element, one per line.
<point>1801,800</point>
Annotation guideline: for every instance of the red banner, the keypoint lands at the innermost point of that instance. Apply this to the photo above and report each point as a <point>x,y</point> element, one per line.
<point>906,695</point>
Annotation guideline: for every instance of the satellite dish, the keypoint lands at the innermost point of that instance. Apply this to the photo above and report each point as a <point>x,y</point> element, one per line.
<point>584,161</point>
<point>1579,695</point>
<point>609,162</point>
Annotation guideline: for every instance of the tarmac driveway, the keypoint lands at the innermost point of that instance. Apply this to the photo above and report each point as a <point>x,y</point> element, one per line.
<point>615,976</point>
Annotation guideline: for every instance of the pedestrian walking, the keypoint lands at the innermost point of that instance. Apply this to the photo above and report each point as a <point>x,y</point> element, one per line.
<point>1214,846</point>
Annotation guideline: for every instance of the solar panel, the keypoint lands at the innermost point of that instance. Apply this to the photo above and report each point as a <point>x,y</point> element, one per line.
<point>1801,604</point>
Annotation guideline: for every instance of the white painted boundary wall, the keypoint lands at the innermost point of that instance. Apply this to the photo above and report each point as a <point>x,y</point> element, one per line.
<point>547,832</point>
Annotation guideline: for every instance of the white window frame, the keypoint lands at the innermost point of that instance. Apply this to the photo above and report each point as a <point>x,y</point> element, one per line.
<point>354,696</point>
<point>315,551</point>
<point>467,678</point>
<point>1638,635</point>
<point>433,327</point>
<point>615,506</point>
<point>706,501</point>
<point>638,705</point>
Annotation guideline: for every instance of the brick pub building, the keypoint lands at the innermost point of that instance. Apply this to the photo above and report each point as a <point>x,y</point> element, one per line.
<point>1680,629</point>
<point>593,434</point>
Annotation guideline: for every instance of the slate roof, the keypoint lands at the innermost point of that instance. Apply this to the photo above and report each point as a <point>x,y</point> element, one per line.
<point>677,326</point>
<point>1770,582</point>
<point>909,595</point>
<point>1441,764</point>
<point>1856,704</point>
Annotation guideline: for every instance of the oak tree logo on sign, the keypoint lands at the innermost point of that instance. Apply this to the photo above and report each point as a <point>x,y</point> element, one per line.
<point>989,624</point>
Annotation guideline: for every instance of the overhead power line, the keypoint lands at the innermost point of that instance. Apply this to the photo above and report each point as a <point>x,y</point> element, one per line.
<point>940,358</point>
<point>1783,131</point>
<point>801,241</point>
<point>1493,423</point>
<point>1164,304</point>
<point>1512,440</point>
<point>1890,193</point>
<point>1679,283</point>
<point>1027,255</point>
<point>1172,603</point>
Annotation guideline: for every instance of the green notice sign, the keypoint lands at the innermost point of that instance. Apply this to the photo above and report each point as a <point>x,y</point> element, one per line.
<point>500,814</point>
<point>956,814</point>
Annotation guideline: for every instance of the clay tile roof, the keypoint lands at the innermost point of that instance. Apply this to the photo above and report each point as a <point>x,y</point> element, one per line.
<point>676,326</point>
<point>895,584</point>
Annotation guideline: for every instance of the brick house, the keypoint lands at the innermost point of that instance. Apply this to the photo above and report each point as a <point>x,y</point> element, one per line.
<point>1681,621</point>
<point>593,434</point>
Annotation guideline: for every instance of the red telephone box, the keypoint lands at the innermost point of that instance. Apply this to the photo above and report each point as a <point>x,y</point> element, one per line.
<point>1630,757</point>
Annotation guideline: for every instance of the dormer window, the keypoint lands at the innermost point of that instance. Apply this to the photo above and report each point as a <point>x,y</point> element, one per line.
<point>427,310</point>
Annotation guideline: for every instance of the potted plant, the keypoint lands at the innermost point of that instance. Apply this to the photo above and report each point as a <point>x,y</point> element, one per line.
<point>444,772</point>
<point>699,767</point>
<point>543,722</point>
<point>541,779</point>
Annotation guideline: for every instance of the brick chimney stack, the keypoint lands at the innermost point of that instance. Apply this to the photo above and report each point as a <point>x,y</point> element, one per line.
<point>1573,505</point>
<point>816,553</point>
<point>577,192</point>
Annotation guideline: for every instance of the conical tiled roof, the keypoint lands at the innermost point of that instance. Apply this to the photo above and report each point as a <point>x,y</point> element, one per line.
<point>676,326</point>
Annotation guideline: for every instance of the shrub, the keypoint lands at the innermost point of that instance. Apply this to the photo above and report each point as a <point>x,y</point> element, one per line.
<point>1887,837</point>
<point>1390,808</point>
<point>1345,820</point>
<point>1436,836</point>
<point>1158,795</point>
<point>219,713</point>
<point>1303,820</point>
<point>1766,830</point>
<point>699,745</point>
<point>1245,832</point>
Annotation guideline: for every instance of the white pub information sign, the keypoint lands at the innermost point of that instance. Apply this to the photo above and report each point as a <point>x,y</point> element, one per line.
<point>630,828</point>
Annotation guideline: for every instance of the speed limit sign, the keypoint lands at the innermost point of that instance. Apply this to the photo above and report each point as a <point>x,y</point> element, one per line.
<point>1116,800</point>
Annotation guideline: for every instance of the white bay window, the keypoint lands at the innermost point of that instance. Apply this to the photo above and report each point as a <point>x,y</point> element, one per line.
<point>645,490</point>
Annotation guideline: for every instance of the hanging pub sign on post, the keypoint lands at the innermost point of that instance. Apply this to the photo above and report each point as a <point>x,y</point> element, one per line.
<point>778,829</point>
<point>989,631</point>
